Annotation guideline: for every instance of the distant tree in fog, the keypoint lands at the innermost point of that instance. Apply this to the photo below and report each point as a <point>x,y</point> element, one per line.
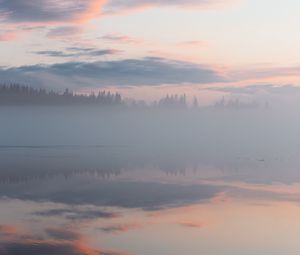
<point>235,104</point>
<point>195,103</point>
<point>173,101</point>
<point>20,94</point>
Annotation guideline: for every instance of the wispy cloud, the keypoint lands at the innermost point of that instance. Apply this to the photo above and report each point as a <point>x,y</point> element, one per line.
<point>192,224</point>
<point>77,214</point>
<point>258,89</point>
<point>120,228</point>
<point>193,43</point>
<point>63,234</point>
<point>71,17</point>
<point>38,11</point>
<point>60,242</point>
<point>265,72</point>
<point>121,38</point>
<point>78,52</point>
<point>116,6</point>
<point>64,31</point>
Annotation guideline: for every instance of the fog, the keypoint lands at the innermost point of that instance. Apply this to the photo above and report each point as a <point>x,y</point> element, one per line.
<point>172,139</point>
<point>208,130</point>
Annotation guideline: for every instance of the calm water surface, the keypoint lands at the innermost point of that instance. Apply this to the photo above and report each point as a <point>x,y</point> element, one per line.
<point>120,200</point>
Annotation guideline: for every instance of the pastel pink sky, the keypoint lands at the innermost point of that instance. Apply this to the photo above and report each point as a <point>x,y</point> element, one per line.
<point>245,42</point>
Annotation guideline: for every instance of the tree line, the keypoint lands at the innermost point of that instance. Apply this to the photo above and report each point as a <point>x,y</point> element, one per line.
<point>21,94</point>
<point>16,94</point>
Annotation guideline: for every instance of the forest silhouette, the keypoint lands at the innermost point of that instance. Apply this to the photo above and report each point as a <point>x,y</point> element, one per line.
<point>17,94</point>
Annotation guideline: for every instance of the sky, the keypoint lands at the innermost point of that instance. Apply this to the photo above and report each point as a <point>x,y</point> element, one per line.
<point>145,48</point>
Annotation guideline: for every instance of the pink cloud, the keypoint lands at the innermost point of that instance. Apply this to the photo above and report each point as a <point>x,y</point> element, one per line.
<point>8,36</point>
<point>80,11</point>
<point>8,229</point>
<point>122,38</point>
<point>193,43</point>
<point>264,72</point>
<point>69,13</point>
<point>192,224</point>
<point>123,7</point>
<point>62,242</point>
<point>45,11</point>
<point>93,10</point>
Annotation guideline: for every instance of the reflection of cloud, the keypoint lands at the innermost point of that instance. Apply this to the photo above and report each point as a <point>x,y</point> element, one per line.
<point>7,230</point>
<point>63,234</point>
<point>65,242</point>
<point>77,214</point>
<point>192,224</point>
<point>148,196</point>
<point>45,247</point>
<point>146,71</point>
<point>120,228</point>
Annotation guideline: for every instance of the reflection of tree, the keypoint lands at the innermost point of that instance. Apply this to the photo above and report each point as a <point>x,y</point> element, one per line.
<point>39,171</point>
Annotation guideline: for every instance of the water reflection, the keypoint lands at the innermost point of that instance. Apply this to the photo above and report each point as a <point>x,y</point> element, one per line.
<point>69,201</point>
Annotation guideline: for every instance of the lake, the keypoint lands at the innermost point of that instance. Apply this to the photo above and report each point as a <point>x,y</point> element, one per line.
<point>82,200</point>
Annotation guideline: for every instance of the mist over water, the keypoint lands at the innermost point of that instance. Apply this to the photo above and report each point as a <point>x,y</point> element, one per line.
<point>208,131</point>
<point>100,180</point>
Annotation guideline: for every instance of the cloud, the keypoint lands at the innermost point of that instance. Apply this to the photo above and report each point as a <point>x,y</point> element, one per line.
<point>266,72</point>
<point>64,31</point>
<point>193,43</point>
<point>121,39</point>
<point>62,11</point>
<point>8,36</point>
<point>70,15</point>
<point>54,53</point>
<point>128,72</point>
<point>259,89</point>
<point>38,11</point>
<point>78,52</point>
<point>116,6</point>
